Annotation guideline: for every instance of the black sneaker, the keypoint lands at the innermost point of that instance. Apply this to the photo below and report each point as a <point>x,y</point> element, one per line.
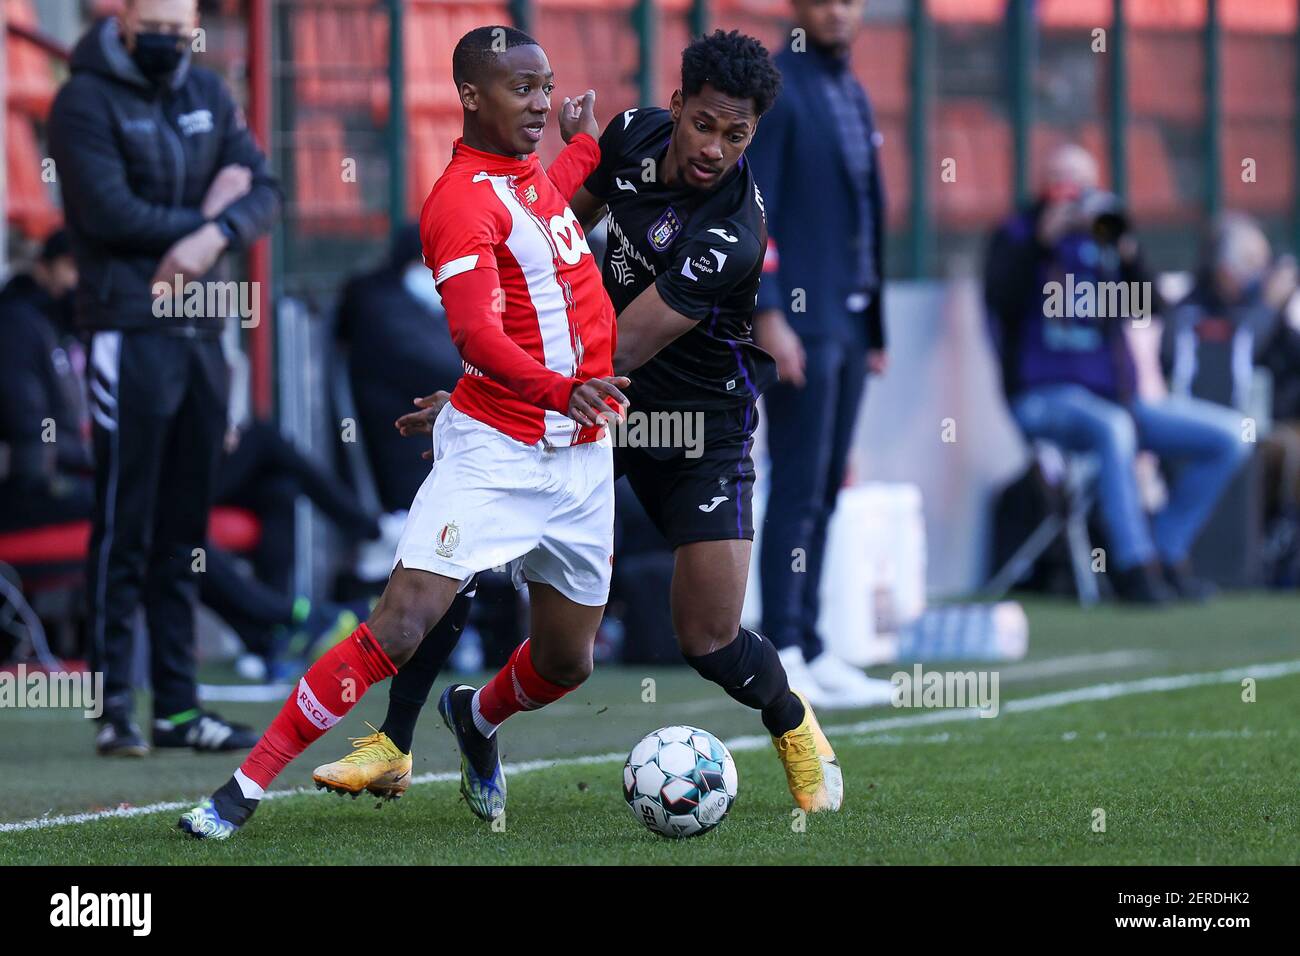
<point>205,732</point>
<point>482,779</point>
<point>1187,585</point>
<point>219,816</point>
<point>120,737</point>
<point>1142,584</point>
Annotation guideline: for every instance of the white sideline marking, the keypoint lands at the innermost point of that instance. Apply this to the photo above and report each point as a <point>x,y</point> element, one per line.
<point>1074,663</point>
<point>1149,685</point>
<point>1051,667</point>
<point>245,693</point>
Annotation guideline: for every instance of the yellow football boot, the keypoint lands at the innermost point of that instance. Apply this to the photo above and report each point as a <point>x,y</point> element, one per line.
<point>811,770</point>
<point>375,764</point>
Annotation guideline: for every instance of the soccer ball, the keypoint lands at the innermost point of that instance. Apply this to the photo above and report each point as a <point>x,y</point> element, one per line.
<point>680,781</point>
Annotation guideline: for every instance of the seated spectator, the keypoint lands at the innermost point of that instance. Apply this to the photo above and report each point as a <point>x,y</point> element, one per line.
<point>1069,376</point>
<point>46,471</point>
<point>1239,302</point>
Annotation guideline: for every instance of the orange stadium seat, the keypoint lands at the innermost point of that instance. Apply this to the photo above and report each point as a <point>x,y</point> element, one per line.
<point>979,140</point>
<point>768,20</point>
<point>430,34</point>
<point>340,52</point>
<point>1259,76</point>
<point>881,59</point>
<point>1152,191</point>
<point>1166,76</point>
<point>428,152</point>
<point>324,201</point>
<point>234,529</point>
<point>1272,148</point>
<point>29,75</point>
<point>590,46</point>
<point>30,205</point>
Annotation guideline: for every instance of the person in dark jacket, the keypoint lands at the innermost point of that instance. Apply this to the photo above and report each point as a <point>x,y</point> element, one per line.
<point>820,314</point>
<point>159,177</point>
<point>1062,281</point>
<point>1233,320</point>
<point>45,463</point>
<point>394,317</point>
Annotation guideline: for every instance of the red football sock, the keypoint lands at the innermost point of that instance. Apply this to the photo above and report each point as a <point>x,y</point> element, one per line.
<point>325,694</point>
<point>516,687</point>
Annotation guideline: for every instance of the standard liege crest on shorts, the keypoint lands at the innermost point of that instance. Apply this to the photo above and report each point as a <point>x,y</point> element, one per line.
<point>448,538</point>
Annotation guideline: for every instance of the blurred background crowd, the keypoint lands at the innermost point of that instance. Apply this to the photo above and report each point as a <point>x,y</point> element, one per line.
<point>1150,455</point>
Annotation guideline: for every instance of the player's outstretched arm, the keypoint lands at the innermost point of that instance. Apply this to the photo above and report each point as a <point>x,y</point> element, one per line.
<point>482,342</point>
<point>421,422</point>
<point>588,207</point>
<point>579,159</point>
<point>645,327</point>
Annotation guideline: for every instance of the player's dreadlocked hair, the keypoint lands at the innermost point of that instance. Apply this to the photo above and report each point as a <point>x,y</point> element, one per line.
<point>480,47</point>
<point>731,63</point>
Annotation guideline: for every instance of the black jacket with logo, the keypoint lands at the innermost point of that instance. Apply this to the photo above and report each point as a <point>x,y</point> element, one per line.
<point>134,160</point>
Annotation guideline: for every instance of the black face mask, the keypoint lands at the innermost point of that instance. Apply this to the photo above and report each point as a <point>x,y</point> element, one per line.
<point>158,54</point>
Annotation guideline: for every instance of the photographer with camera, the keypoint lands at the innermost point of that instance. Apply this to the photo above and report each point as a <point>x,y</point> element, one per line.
<point>1062,280</point>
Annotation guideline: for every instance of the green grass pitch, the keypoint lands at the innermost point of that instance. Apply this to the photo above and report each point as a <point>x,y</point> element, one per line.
<point>1186,772</point>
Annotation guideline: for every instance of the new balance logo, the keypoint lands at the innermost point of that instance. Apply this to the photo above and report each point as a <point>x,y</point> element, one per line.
<point>717,500</point>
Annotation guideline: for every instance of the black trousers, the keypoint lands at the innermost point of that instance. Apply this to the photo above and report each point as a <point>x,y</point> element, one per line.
<point>159,407</point>
<point>809,431</point>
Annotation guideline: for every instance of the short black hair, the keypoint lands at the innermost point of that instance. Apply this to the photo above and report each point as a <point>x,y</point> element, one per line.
<point>480,47</point>
<point>734,64</point>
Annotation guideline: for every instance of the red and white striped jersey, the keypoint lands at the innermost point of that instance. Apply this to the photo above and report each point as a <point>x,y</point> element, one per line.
<point>524,299</point>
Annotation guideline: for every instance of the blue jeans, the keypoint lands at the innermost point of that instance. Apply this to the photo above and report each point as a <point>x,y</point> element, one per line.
<point>1204,438</point>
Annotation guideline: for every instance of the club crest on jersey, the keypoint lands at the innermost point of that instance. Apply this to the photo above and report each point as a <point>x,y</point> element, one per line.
<point>448,538</point>
<point>666,227</point>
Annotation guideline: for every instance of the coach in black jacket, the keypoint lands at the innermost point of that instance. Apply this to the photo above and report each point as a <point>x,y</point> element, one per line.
<point>159,177</point>
<point>816,159</point>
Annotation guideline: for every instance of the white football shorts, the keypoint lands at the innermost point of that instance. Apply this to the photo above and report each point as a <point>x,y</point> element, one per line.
<point>546,513</point>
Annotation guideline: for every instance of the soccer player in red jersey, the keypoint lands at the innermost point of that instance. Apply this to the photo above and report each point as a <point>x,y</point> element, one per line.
<point>687,233</point>
<point>523,471</point>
